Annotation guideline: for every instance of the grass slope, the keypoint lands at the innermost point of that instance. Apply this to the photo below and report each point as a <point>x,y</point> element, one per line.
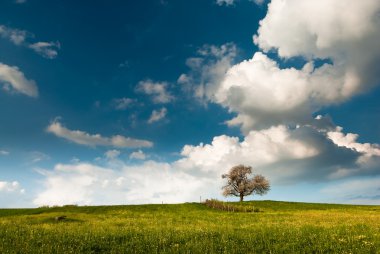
<point>280,227</point>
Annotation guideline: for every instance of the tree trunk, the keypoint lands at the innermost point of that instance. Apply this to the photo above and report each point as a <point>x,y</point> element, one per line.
<point>241,197</point>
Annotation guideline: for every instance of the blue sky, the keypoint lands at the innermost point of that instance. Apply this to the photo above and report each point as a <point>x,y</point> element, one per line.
<point>151,101</point>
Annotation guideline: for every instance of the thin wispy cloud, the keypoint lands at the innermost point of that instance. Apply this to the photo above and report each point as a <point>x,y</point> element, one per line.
<point>112,154</point>
<point>157,115</point>
<point>22,38</point>
<point>207,70</point>
<point>13,80</point>
<point>259,2</point>
<point>123,103</point>
<point>46,49</point>
<point>92,140</point>
<point>225,2</point>
<point>16,36</point>
<point>363,191</point>
<point>158,91</point>
<point>4,152</point>
<point>37,156</point>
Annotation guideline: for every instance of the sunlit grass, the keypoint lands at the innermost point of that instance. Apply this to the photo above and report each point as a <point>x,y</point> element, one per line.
<point>279,227</point>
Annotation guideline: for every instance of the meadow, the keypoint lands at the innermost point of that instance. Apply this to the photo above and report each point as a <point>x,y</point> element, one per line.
<point>255,227</point>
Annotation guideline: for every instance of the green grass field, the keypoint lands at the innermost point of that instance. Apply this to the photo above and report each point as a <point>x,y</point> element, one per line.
<point>279,227</point>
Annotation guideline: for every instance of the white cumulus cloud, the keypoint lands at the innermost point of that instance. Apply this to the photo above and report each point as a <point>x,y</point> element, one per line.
<point>258,148</point>
<point>284,155</point>
<point>295,27</point>
<point>263,94</point>
<point>86,184</point>
<point>349,140</point>
<point>84,138</point>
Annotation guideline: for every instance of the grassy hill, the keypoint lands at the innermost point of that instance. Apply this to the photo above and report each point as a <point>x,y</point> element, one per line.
<point>278,227</point>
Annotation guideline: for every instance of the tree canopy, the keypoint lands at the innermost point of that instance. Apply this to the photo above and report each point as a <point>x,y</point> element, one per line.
<point>240,185</point>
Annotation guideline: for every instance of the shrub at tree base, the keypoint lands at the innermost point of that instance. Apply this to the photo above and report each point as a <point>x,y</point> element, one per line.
<point>224,206</point>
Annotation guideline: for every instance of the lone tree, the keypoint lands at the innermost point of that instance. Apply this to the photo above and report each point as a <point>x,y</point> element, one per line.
<point>239,185</point>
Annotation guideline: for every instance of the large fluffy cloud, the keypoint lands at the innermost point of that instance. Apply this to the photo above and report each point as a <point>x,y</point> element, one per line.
<point>284,155</point>
<point>84,138</point>
<point>258,148</point>
<point>266,97</point>
<point>86,184</point>
<point>263,94</point>
<point>318,28</point>
<point>13,79</point>
<point>348,34</point>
